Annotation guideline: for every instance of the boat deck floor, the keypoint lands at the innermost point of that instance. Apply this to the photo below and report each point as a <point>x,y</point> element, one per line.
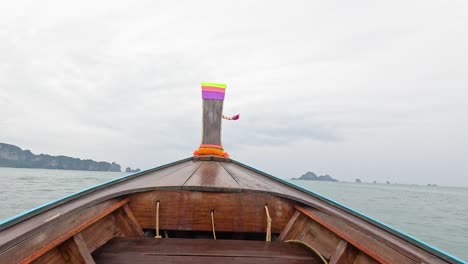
<point>180,250</point>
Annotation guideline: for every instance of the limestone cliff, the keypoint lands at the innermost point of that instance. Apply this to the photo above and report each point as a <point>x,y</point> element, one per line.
<point>13,156</point>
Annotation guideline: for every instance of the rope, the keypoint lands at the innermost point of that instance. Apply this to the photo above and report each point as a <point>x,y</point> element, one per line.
<point>268,233</point>
<point>212,224</point>
<point>308,246</point>
<point>157,220</point>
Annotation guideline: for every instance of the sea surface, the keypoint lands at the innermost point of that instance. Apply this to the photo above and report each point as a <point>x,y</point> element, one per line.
<point>436,215</point>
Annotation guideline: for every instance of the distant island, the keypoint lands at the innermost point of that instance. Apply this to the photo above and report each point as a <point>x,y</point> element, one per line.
<point>128,169</point>
<point>14,157</point>
<point>310,176</point>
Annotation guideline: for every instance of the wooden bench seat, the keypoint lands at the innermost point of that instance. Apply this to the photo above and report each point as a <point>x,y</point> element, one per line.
<point>178,250</point>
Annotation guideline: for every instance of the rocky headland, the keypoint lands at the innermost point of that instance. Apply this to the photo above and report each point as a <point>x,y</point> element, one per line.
<point>15,157</point>
<point>313,177</point>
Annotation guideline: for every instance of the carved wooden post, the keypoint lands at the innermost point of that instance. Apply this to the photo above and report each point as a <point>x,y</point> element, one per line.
<point>213,99</point>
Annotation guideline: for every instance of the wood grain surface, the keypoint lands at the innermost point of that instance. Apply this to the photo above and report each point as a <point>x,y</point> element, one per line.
<point>212,112</point>
<point>189,210</point>
<point>126,250</point>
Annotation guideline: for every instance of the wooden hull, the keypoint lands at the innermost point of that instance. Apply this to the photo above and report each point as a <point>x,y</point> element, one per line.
<point>111,223</point>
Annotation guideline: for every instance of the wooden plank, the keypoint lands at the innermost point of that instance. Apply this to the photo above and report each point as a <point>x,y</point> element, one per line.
<point>51,257</point>
<point>151,259</point>
<point>72,232</point>
<point>178,178</point>
<point>132,220</point>
<point>100,232</point>
<point>211,176</point>
<point>367,244</point>
<point>315,235</point>
<point>173,250</point>
<point>290,224</point>
<point>70,252</point>
<point>362,258</point>
<point>249,180</point>
<point>344,254</point>
<point>83,249</point>
<point>234,212</point>
<point>125,224</point>
<point>206,247</point>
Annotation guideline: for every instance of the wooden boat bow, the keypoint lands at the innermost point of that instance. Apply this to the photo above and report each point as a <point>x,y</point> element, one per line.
<point>188,191</point>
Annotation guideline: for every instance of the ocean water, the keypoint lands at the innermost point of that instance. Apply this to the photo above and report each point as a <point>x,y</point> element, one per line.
<point>24,189</point>
<point>436,215</point>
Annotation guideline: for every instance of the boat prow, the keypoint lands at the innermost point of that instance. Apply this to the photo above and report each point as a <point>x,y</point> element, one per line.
<point>186,205</point>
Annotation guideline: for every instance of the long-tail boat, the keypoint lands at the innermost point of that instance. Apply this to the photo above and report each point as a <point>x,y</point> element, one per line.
<point>205,209</point>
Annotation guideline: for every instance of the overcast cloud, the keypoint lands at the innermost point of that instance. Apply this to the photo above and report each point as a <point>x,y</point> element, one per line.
<point>374,90</point>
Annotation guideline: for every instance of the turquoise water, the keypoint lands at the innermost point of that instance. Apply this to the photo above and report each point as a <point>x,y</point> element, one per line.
<point>435,215</point>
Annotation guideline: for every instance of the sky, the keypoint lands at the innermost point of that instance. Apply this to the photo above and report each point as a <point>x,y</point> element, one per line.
<point>374,90</point>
